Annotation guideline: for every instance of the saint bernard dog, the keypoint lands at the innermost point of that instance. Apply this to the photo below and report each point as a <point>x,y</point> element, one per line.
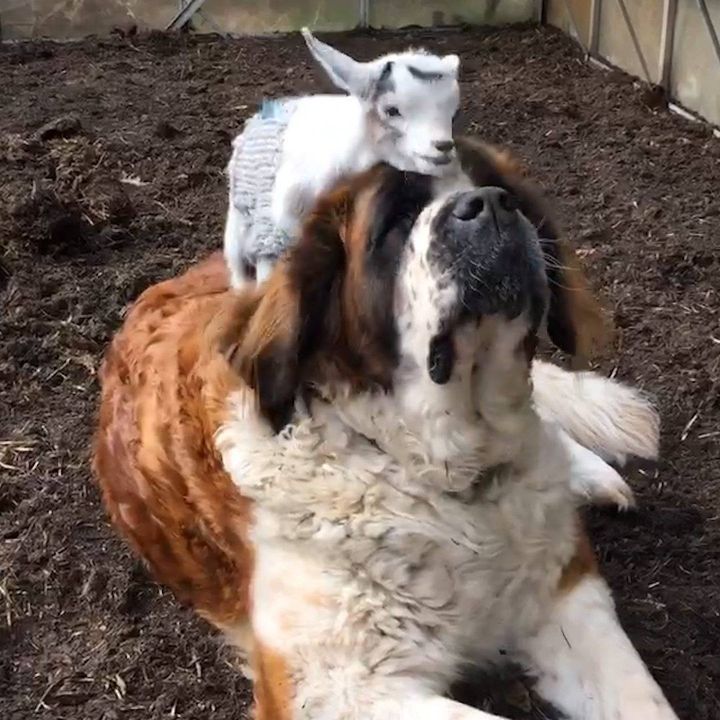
<point>359,473</point>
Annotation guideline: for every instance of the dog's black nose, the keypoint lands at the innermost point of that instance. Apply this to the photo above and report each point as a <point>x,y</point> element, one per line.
<point>485,201</point>
<point>444,145</point>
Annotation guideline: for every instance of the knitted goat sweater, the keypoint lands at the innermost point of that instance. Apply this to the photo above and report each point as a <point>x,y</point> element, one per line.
<point>256,157</point>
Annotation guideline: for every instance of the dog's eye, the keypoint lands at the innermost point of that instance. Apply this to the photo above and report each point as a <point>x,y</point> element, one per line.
<point>392,111</point>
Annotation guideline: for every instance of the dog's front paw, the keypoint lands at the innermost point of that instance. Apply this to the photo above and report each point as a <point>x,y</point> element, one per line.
<point>594,481</point>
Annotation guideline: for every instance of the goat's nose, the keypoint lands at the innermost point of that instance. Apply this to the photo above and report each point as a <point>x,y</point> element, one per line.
<point>485,201</point>
<point>444,145</point>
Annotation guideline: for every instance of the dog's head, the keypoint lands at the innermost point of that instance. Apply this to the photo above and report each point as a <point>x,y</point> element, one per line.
<point>398,283</point>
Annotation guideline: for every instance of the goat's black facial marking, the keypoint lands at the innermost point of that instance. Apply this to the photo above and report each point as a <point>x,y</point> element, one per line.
<point>441,359</point>
<point>425,76</point>
<point>385,82</point>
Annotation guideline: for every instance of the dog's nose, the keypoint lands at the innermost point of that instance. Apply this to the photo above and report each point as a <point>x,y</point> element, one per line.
<point>444,146</point>
<point>487,202</point>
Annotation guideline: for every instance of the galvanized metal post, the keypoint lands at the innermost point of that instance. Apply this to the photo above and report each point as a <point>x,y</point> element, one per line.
<point>635,41</point>
<point>710,28</point>
<point>667,39</point>
<point>364,14</point>
<point>594,40</point>
<point>184,15</point>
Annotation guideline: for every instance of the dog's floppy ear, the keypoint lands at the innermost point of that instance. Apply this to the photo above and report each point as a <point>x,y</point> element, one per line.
<point>576,322</point>
<point>289,322</point>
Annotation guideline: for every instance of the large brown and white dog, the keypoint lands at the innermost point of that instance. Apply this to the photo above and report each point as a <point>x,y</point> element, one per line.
<point>348,473</point>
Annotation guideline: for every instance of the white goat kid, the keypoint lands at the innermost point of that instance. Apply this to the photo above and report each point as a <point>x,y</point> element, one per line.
<point>398,109</point>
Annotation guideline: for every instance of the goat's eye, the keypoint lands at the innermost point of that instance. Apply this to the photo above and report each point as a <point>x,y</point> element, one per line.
<point>392,111</point>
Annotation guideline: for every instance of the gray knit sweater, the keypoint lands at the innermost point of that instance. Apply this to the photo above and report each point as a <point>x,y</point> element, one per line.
<point>252,168</point>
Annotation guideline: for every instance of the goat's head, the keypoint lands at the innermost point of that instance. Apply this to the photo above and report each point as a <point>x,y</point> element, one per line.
<point>411,99</point>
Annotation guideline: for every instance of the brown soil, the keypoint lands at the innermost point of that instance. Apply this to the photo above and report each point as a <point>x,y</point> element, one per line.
<point>111,177</point>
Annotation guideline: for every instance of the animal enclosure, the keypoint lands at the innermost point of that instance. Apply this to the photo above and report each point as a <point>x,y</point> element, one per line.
<point>112,153</point>
<point>674,44</point>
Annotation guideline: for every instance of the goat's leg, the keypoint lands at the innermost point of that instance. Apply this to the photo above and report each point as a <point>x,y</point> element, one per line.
<point>234,244</point>
<point>263,269</point>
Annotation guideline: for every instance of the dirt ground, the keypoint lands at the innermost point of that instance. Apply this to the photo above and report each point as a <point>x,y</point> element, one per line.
<point>111,178</point>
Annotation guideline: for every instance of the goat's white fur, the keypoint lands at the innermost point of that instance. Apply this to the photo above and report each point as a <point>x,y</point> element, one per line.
<point>382,563</point>
<point>328,136</point>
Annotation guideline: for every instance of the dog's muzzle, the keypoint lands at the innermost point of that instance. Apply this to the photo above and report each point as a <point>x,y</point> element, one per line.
<point>493,254</point>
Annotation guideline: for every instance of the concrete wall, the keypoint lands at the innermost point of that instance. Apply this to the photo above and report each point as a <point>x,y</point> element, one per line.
<point>694,77</point>
<point>77,18</point>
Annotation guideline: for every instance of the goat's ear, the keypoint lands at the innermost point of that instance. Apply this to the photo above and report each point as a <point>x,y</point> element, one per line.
<point>576,322</point>
<point>345,73</point>
<point>289,323</point>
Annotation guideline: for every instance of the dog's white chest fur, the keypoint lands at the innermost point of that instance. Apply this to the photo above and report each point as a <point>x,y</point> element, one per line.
<point>361,542</point>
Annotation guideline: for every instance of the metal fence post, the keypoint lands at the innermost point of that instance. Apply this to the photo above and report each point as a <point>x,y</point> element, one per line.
<point>594,39</point>
<point>364,14</point>
<point>667,39</point>
<point>710,28</point>
<point>635,40</point>
<point>184,14</point>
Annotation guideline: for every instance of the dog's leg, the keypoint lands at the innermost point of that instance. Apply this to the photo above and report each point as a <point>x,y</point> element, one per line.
<point>593,480</point>
<point>422,707</point>
<point>329,691</point>
<point>585,664</point>
<point>394,698</point>
<point>608,418</point>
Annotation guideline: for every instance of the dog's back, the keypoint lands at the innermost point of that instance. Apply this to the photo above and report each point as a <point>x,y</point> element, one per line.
<point>162,482</point>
